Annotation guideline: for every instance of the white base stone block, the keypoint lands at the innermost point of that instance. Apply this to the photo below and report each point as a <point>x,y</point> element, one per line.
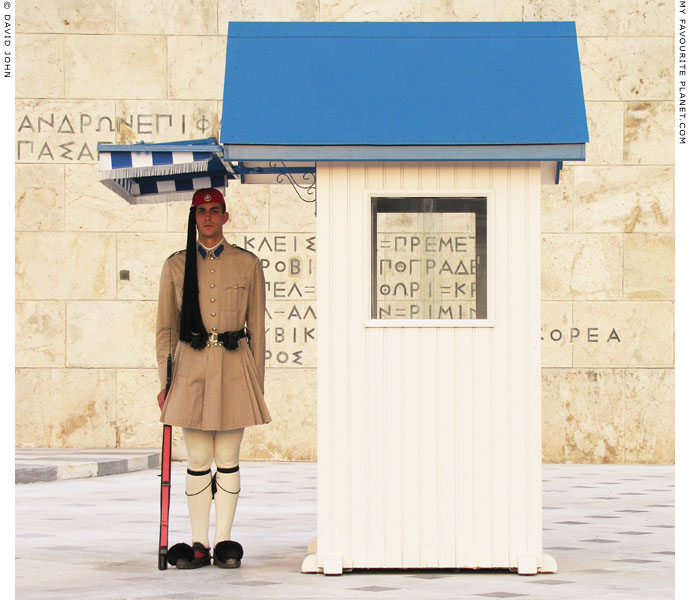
<point>333,564</point>
<point>309,564</point>
<point>527,564</point>
<point>548,564</point>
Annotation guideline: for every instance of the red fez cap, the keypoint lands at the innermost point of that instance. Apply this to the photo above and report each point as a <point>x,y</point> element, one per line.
<point>207,195</point>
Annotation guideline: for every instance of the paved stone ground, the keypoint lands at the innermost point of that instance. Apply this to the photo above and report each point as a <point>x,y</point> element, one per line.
<point>610,527</point>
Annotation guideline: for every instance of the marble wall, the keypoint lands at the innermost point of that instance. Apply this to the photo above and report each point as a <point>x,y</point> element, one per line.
<point>87,264</point>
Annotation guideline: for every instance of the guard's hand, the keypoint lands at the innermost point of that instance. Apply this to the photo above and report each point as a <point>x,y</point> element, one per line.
<point>161,398</point>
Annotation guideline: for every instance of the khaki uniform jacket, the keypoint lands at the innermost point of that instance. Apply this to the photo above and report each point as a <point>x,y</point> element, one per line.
<point>214,388</point>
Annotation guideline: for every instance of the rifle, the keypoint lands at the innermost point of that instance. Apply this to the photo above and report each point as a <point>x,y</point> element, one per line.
<point>166,452</point>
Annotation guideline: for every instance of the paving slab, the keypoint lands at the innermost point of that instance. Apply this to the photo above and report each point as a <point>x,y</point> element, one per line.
<point>610,527</point>
<point>50,464</point>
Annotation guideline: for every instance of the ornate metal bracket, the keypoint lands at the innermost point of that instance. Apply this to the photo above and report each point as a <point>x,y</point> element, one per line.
<point>302,178</point>
<point>304,184</point>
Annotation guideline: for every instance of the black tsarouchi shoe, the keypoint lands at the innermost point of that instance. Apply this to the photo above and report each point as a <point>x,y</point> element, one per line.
<point>227,555</point>
<point>184,556</point>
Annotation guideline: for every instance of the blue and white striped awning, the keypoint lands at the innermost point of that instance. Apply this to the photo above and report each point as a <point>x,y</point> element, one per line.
<point>150,173</point>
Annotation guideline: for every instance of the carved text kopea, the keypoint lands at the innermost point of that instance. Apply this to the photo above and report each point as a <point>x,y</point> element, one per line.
<point>556,335</point>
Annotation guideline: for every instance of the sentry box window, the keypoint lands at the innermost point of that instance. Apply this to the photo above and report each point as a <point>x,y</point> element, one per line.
<point>429,258</point>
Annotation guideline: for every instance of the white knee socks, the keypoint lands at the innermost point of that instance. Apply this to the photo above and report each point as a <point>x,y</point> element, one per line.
<point>202,448</point>
<point>227,493</point>
<point>199,495</point>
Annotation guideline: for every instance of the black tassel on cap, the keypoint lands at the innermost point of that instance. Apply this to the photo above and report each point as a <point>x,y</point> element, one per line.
<point>192,328</point>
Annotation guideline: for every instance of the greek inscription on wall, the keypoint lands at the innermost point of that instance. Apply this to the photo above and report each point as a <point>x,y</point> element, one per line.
<point>426,266</point>
<point>289,263</point>
<point>52,136</point>
<point>577,334</point>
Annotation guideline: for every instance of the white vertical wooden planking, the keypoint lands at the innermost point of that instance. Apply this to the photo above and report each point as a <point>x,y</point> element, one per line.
<point>517,328</point>
<point>533,433</point>
<point>466,528</point>
<point>411,448</point>
<point>428,421</point>
<point>447,441</point>
<point>357,367</point>
<point>500,353</point>
<point>340,376</point>
<point>411,176</point>
<point>397,445</point>
<point>324,514</point>
<point>484,436</point>
<point>428,442</point>
<point>375,440</point>
<point>429,437</point>
<point>392,464</point>
<point>463,352</point>
<point>376,399</point>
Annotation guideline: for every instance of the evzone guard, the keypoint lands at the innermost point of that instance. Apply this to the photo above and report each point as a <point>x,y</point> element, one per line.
<point>211,305</point>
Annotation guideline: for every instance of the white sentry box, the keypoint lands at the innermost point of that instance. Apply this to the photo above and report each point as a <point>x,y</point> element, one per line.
<point>429,430</point>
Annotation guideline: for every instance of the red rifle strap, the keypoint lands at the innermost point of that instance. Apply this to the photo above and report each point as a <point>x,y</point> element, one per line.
<point>166,452</point>
<point>166,457</point>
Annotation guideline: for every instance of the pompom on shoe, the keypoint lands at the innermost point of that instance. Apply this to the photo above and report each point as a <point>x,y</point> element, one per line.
<point>184,556</point>
<point>179,551</point>
<point>227,555</point>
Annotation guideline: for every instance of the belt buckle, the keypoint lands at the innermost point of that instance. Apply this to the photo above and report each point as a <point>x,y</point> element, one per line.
<point>213,339</point>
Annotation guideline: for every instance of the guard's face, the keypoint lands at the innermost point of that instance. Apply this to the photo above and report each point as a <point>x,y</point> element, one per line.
<point>210,219</point>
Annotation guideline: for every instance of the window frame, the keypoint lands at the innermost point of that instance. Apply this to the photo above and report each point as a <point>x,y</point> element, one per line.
<point>486,194</point>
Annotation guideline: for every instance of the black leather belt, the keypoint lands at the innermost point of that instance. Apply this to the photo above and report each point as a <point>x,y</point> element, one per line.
<point>227,339</point>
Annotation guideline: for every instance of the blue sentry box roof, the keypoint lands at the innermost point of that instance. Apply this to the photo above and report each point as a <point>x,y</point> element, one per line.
<point>403,84</point>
